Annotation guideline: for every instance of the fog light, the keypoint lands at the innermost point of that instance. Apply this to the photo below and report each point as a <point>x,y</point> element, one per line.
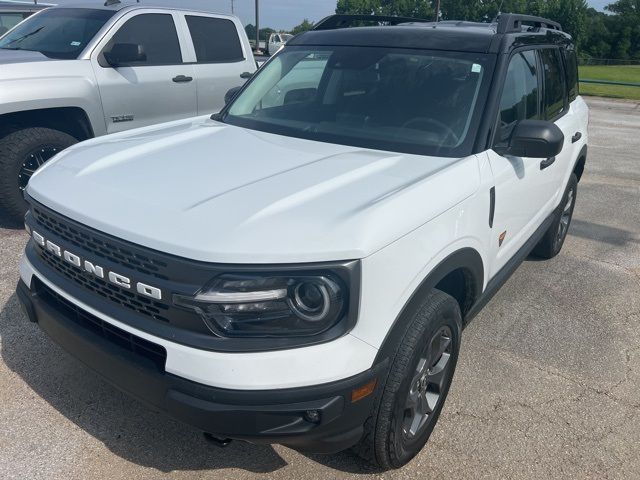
<point>312,416</point>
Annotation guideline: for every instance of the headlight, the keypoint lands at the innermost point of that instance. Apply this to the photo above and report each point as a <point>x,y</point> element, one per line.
<point>264,305</point>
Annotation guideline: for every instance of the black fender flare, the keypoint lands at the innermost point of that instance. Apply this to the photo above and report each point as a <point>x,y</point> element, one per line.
<point>466,258</point>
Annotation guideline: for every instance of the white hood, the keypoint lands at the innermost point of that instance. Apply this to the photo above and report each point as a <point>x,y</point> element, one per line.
<point>207,191</point>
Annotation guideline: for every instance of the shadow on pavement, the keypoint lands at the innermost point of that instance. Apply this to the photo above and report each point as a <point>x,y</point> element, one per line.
<point>126,427</point>
<point>8,223</point>
<point>602,233</point>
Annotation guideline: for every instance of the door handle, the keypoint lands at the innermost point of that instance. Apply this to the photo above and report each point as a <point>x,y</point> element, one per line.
<point>576,137</point>
<point>246,75</point>
<point>182,79</point>
<point>547,163</point>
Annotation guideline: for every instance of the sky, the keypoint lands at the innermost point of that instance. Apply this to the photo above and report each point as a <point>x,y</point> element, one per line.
<point>278,14</point>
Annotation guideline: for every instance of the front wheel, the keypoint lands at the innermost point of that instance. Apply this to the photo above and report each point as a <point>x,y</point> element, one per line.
<point>553,239</point>
<point>21,153</point>
<point>417,385</point>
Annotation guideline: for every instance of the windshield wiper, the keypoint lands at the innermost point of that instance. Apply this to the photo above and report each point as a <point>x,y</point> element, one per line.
<point>26,35</point>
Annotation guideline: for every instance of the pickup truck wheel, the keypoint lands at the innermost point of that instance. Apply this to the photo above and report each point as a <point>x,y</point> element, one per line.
<point>417,385</point>
<point>22,152</point>
<point>554,238</point>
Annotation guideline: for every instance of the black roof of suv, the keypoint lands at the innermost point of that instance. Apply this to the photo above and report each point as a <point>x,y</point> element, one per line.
<point>507,32</point>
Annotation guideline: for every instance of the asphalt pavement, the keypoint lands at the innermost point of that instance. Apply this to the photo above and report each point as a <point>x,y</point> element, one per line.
<point>548,384</point>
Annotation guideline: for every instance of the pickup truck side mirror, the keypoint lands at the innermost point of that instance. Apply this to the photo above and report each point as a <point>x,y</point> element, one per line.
<point>231,94</point>
<point>534,139</point>
<point>122,54</point>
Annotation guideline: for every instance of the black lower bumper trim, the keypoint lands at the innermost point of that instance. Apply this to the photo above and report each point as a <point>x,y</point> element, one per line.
<point>271,416</point>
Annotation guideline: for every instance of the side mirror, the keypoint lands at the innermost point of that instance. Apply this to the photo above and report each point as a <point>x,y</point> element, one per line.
<point>231,94</point>
<point>122,54</point>
<point>535,139</point>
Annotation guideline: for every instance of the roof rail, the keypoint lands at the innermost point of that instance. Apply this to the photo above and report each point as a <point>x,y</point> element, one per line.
<point>512,22</point>
<point>333,22</point>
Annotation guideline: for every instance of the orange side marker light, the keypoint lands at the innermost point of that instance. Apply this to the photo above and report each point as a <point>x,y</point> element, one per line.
<point>363,391</point>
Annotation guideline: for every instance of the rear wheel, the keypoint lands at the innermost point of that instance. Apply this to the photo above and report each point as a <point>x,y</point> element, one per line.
<point>553,239</point>
<point>21,153</point>
<point>417,385</point>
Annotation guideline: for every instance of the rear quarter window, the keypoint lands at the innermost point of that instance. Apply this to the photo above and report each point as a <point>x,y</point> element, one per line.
<point>554,83</point>
<point>571,65</point>
<point>215,40</point>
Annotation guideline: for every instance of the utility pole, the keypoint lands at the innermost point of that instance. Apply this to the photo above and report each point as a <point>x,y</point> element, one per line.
<point>232,9</point>
<point>437,10</point>
<point>257,25</point>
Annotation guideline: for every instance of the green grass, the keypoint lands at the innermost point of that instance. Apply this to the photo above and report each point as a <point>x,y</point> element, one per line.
<point>620,73</point>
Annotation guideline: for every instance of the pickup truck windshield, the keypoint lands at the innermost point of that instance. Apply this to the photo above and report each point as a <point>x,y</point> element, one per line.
<point>411,101</point>
<point>60,33</point>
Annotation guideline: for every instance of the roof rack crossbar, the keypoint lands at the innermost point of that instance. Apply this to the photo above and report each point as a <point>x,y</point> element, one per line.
<point>513,22</point>
<point>333,22</point>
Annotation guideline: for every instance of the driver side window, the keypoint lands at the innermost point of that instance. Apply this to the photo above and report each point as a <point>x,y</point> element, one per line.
<point>156,34</point>
<point>520,100</point>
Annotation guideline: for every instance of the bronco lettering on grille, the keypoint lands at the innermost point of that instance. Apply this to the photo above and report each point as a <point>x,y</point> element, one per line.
<point>96,270</point>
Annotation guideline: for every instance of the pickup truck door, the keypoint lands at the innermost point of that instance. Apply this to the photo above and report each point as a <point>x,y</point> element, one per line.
<point>156,88</point>
<point>525,188</point>
<point>220,56</point>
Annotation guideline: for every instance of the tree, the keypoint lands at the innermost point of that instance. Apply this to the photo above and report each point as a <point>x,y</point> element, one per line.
<point>404,8</point>
<point>303,27</point>
<point>625,7</point>
<point>264,32</point>
<point>614,35</point>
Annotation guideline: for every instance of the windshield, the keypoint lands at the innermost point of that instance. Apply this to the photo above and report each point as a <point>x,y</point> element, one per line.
<point>411,101</point>
<point>60,33</point>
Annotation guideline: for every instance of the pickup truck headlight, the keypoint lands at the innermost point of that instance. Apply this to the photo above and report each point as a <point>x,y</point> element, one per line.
<point>265,305</point>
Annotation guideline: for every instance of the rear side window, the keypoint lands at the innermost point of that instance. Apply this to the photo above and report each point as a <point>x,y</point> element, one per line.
<point>554,83</point>
<point>215,39</point>
<point>571,63</point>
<point>520,99</point>
<point>157,34</point>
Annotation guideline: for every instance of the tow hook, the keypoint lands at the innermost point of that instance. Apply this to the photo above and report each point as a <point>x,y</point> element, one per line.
<point>217,441</point>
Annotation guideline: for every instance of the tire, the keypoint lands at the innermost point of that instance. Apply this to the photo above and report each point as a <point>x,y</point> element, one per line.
<point>553,239</point>
<point>393,434</point>
<point>21,153</point>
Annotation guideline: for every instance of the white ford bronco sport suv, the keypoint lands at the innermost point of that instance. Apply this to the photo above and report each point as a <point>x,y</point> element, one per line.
<point>298,269</point>
<point>72,73</point>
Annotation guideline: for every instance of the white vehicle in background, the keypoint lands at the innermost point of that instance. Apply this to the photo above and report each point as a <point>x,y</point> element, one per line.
<point>13,12</point>
<point>72,73</point>
<point>277,41</point>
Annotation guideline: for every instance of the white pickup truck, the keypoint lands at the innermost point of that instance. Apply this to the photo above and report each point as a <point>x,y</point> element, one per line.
<point>72,73</point>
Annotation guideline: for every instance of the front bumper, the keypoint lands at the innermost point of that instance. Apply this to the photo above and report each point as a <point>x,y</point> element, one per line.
<point>261,416</point>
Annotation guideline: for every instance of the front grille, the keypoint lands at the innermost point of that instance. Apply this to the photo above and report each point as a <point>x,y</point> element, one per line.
<point>100,245</point>
<point>170,273</point>
<point>120,296</point>
<point>136,345</point>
